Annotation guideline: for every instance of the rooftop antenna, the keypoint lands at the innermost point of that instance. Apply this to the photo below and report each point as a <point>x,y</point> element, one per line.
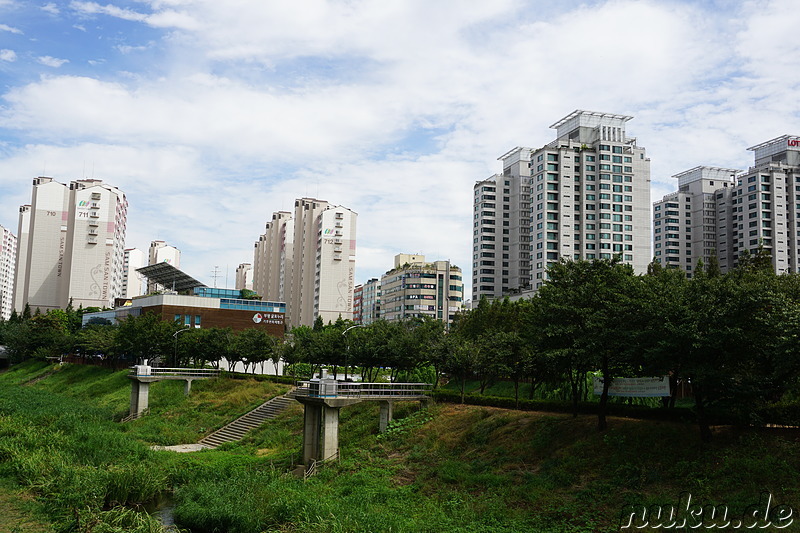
<point>215,274</point>
<point>227,268</point>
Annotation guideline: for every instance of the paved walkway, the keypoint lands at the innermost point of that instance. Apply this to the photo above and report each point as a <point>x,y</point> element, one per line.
<point>182,448</point>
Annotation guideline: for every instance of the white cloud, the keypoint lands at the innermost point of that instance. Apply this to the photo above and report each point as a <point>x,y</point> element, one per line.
<point>127,49</point>
<point>51,8</point>
<point>93,8</point>
<point>50,61</point>
<point>394,109</point>
<point>8,55</point>
<point>6,27</point>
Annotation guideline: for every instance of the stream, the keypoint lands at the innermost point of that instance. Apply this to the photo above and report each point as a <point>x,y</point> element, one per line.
<point>162,508</point>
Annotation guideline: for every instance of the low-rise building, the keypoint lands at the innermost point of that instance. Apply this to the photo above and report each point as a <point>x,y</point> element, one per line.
<point>416,288</point>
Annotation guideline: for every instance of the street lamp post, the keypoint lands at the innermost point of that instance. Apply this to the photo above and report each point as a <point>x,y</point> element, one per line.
<point>175,354</point>
<point>347,346</point>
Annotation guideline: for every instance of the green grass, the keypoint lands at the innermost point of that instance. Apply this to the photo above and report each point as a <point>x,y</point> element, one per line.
<point>452,468</point>
<point>19,512</point>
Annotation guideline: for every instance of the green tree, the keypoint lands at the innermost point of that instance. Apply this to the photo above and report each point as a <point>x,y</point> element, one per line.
<point>145,337</point>
<point>587,310</point>
<point>97,341</point>
<point>254,346</point>
<point>462,362</point>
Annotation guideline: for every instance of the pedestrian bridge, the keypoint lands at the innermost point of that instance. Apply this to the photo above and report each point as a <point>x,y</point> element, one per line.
<point>143,375</point>
<point>322,398</point>
<point>363,391</point>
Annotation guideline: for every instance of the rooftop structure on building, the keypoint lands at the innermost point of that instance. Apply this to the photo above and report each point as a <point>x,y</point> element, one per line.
<point>161,252</point>
<point>195,305</point>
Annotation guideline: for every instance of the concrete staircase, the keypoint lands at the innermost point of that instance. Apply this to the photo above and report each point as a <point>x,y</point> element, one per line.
<point>239,427</point>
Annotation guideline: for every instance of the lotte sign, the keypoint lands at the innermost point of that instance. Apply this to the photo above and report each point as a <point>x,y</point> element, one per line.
<point>793,142</point>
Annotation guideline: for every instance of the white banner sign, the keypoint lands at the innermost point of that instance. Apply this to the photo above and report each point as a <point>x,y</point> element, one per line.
<point>637,387</point>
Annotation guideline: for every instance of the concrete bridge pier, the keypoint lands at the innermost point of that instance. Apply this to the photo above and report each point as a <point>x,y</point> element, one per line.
<point>387,408</point>
<point>321,427</point>
<point>140,397</point>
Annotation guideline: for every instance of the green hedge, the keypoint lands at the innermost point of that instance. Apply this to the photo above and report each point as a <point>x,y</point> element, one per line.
<point>782,414</point>
<point>678,414</point>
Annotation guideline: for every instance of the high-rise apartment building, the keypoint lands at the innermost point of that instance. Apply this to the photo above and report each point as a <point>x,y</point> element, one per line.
<point>8,258</point>
<point>73,245</point>
<point>740,211</point>
<point>501,229</point>
<point>415,288</point>
<point>273,256</point>
<point>585,195</point>
<point>767,210</point>
<point>244,276</point>
<point>307,259</point>
<point>134,284</point>
<point>685,222</point>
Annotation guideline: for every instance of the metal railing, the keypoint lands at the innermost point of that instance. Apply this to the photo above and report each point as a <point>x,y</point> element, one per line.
<point>181,373</point>
<point>134,416</point>
<point>340,389</point>
<point>315,465</point>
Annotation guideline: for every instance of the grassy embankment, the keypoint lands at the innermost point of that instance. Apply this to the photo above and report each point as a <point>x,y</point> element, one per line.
<point>455,468</point>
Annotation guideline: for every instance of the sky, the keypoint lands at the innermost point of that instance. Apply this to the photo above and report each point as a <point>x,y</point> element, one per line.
<point>211,115</point>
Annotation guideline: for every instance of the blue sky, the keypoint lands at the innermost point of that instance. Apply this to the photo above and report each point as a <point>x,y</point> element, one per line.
<point>212,115</point>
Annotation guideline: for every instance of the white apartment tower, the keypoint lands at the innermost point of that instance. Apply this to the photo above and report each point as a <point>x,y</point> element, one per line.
<point>307,259</point>
<point>590,194</point>
<point>740,211</point>
<point>586,195</point>
<point>501,229</point>
<point>8,258</point>
<point>161,252</point>
<point>767,209</point>
<point>244,276</point>
<point>133,282</point>
<point>335,269</point>
<point>73,245</point>
<point>685,222</point>
<point>273,256</point>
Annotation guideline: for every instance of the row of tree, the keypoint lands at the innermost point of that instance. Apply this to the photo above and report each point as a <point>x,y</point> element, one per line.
<point>733,338</point>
